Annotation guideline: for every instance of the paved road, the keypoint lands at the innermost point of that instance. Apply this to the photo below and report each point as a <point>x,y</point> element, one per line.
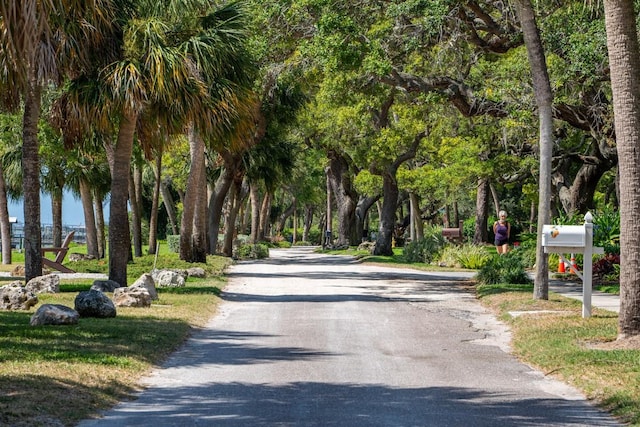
<point>310,340</point>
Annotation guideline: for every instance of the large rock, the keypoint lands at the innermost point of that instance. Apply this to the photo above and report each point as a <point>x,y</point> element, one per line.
<point>14,296</point>
<point>146,281</point>
<point>94,303</point>
<point>18,271</point>
<point>132,297</point>
<point>168,279</point>
<point>105,285</point>
<point>75,257</point>
<point>196,272</point>
<point>49,284</point>
<point>54,314</point>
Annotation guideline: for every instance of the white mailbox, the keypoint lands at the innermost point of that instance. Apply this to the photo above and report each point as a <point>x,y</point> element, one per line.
<point>568,236</point>
<point>572,239</point>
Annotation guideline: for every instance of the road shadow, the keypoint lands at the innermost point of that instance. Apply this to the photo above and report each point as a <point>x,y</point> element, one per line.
<point>220,347</point>
<point>331,404</point>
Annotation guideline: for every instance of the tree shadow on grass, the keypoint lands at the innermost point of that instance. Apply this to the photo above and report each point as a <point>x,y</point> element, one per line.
<point>38,400</point>
<point>122,340</point>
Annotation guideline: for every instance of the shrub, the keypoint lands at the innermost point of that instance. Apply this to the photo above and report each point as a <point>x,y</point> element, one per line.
<point>420,250</point>
<point>506,268</point>
<point>449,256</point>
<point>426,249</point>
<point>173,241</point>
<point>257,251</point>
<point>526,251</point>
<point>606,265</point>
<point>472,256</point>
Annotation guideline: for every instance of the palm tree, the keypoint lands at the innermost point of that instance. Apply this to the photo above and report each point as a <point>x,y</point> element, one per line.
<point>32,36</point>
<point>544,99</point>
<point>10,177</point>
<point>229,117</point>
<point>624,60</point>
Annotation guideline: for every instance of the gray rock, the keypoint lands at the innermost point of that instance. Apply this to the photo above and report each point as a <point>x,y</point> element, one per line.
<point>146,281</point>
<point>14,296</point>
<point>132,297</point>
<point>75,257</point>
<point>94,303</point>
<point>196,272</point>
<point>168,279</point>
<point>54,314</point>
<point>105,285</point>
<point>49,284</point>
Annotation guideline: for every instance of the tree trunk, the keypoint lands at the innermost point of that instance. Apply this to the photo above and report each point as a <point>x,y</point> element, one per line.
<point>119,235</point>
<point>265,218</point>
<point>480,234</point>
<point>384,244</point>
<point>576,196</point>
<point>327,239</point>
<point>5,225</point>
<point>417,217</point>
<point>495,197</point>
<point>56,217</point>
<point>236,197</point>
<point>192,234</point>
<point>284,216</point>
<point>100,226</point>
<point>308,221</point>
<point>345,195</point>
<point>31,181</point>
<point>544,99</point>
<point>170,206</point>
<point>153,218</point>
<point>362,210</point>
<point>254,195</point>
<point>624,60</point>
<point>135,203</point>
<point>216,202</point>
<point>89,218</point>
<point>200,246</point>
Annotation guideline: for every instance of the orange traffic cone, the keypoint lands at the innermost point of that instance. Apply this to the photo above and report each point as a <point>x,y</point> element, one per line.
<point>561,266</point>
<point>574,266</point>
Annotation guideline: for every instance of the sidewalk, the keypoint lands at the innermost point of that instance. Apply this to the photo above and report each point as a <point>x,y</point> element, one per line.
<point>609,302</point>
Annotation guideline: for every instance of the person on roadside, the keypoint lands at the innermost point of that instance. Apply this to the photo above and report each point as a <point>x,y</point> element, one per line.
<point>502,230</point>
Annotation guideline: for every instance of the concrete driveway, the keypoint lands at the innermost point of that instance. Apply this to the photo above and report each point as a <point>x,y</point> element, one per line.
<point>304,339</point>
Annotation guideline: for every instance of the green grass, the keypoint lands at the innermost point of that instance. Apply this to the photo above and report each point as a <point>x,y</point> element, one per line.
<point>63,374</point>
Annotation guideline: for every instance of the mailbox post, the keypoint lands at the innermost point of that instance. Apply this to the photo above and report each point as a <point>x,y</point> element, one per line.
<point>562,239</point>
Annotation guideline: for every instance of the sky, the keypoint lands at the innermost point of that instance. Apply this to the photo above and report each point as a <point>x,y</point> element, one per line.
<point>71,210</point>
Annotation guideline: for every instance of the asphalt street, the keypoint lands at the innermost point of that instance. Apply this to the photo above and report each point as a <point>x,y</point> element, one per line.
<point>304,339</point>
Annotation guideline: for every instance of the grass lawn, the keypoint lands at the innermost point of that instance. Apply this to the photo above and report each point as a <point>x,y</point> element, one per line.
<point>52,375</point>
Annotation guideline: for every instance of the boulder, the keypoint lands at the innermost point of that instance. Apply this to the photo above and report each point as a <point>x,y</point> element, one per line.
<point>367,246</point>
<point>75,257</point>
<point>132,297</point>
<point>14,296</point>
<point>94,303</point>
<point>54,314</point>
<point>18,271</point>
<point>49,284</point>
<point>146,281</point>
<point>196,272</point>
<point>105,285</point>
<point>168,279</point>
